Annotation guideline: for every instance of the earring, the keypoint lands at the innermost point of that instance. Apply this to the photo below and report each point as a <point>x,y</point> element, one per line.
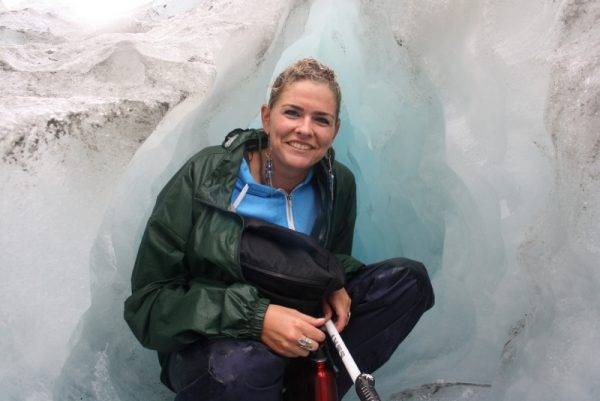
<point>269,169</point>
<point>329,157</point>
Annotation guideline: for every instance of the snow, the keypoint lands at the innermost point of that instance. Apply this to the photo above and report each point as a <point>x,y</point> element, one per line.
<point>480,121</point>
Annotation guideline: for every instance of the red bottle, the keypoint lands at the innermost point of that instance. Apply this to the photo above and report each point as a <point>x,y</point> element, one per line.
<point>322,380</point>
<point>311,379</point>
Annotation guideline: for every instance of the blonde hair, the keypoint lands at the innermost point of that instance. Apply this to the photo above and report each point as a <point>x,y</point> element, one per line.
<point>306,69</point>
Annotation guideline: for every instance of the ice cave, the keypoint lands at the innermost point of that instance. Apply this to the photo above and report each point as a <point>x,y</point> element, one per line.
<point>472,128</point>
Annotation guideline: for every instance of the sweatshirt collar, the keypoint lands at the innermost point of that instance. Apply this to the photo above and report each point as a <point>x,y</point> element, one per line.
<point>257,188</point>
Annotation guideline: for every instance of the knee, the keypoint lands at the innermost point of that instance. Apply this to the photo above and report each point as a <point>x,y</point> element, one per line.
<point>227,369</point>
<point>401,268</point>
<point>251,364</point>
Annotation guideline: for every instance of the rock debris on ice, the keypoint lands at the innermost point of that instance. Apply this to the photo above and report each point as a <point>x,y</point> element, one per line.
<point>53,73</point>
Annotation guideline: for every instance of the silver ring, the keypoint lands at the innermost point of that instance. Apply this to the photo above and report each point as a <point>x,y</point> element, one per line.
<point>305,343</point>
<point>349,313</point>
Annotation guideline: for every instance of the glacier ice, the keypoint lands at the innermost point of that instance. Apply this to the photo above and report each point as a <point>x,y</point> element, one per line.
<point>66,134</point>
<point>473,131</point>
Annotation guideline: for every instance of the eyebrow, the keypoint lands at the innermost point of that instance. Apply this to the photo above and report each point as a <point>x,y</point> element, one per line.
<point>319,113</point>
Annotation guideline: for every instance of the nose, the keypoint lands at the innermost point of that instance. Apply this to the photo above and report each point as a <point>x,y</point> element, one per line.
<point>304,126</point>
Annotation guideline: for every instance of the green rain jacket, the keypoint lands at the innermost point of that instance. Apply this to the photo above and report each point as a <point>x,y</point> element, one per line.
<point>187,282</point>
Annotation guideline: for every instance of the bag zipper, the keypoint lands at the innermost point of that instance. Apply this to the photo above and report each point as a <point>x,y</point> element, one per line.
<point>284,277</point>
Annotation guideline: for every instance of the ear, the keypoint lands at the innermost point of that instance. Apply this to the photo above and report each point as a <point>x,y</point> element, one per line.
<point>337,128</point>
<point>265,116</point>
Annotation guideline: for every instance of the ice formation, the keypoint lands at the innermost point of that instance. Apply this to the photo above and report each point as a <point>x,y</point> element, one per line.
<point>473,130</point>
<point>70,120</point>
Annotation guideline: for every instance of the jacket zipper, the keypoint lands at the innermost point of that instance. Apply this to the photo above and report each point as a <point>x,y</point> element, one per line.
<point>327,199</point>
<point>288,209</point>
<point>289,214</point>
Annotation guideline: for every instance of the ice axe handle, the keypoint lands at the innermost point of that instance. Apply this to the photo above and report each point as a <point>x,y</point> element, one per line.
<point>363,382</point>
<point>365,388</point>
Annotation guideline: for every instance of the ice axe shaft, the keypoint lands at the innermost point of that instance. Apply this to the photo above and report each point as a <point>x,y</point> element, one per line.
<point>342,350</point>
<point>363,382</point>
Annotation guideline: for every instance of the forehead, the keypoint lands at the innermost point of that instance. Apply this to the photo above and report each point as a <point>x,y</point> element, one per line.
<point>309,94</point>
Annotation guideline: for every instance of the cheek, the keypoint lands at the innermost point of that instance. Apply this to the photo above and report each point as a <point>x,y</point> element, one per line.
<point>281,128</point>
<point>326,139</point>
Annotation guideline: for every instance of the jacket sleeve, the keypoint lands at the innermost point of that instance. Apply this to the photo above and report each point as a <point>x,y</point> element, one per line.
<point>344,223</point>
<point>168,310</point>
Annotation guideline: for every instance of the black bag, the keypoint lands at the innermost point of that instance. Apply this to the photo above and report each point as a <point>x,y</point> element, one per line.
<point>288,267</point>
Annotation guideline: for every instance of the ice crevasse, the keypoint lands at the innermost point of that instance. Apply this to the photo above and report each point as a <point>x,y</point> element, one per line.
<point>473,131</point>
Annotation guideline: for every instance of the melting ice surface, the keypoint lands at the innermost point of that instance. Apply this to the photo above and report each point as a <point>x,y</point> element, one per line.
<point>459,207</point>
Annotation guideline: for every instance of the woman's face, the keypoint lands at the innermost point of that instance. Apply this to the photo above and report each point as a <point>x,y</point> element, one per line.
<point>301,126</point>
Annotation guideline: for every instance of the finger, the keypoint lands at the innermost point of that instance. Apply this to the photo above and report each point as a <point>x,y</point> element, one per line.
<point>313,321</point>
<point>327,311</point>
<point>298,351</point>
<point>286,351</point>
<point>314,334</point>
<point>341,323</point>
<point>292,349</point>
<point>341,318</point>
<point>306,344</point>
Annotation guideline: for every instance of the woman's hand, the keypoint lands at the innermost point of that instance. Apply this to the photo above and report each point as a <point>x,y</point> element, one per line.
<point>283,327</point>
<point>338,305</point>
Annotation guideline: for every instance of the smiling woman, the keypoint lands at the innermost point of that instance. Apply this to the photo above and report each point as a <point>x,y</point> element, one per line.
<point>223,334</point>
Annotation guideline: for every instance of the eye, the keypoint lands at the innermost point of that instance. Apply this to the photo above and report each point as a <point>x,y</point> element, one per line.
<point>291,112</point>
<point>322,120</point>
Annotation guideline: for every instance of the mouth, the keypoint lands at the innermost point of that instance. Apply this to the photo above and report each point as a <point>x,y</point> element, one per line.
<point>300,145</point>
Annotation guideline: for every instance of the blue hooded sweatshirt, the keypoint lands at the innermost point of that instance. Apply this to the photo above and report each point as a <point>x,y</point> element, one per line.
<point>296,210</point>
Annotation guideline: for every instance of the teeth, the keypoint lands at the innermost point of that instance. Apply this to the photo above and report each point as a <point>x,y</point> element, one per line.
<point>300,146</point>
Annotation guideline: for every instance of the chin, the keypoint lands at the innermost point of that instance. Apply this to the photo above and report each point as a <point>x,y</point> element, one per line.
<point>295,162</point>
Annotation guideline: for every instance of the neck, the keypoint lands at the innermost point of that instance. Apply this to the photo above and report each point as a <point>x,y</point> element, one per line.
<point>287,183</point>
<point>282,179</point>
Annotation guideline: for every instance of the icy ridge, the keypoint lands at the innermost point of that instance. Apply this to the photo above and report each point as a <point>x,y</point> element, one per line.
<point>172,59</point>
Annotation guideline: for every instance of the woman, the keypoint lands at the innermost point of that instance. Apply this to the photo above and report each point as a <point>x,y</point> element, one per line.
<point>217,337</point>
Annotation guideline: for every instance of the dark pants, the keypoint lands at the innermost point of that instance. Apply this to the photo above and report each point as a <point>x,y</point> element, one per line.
<point>388,298</point>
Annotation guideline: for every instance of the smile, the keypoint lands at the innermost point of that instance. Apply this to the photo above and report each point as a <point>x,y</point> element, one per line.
<point>299,145</point>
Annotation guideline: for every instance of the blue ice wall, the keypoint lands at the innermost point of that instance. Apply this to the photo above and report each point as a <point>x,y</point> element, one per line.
<point>410,203</point>
<point>391,132</point>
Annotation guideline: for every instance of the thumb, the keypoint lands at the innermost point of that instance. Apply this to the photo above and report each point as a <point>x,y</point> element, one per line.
<point>314,321</point>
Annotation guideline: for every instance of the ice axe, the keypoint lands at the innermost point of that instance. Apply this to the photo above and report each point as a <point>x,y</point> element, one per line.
<point>364,383</point>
